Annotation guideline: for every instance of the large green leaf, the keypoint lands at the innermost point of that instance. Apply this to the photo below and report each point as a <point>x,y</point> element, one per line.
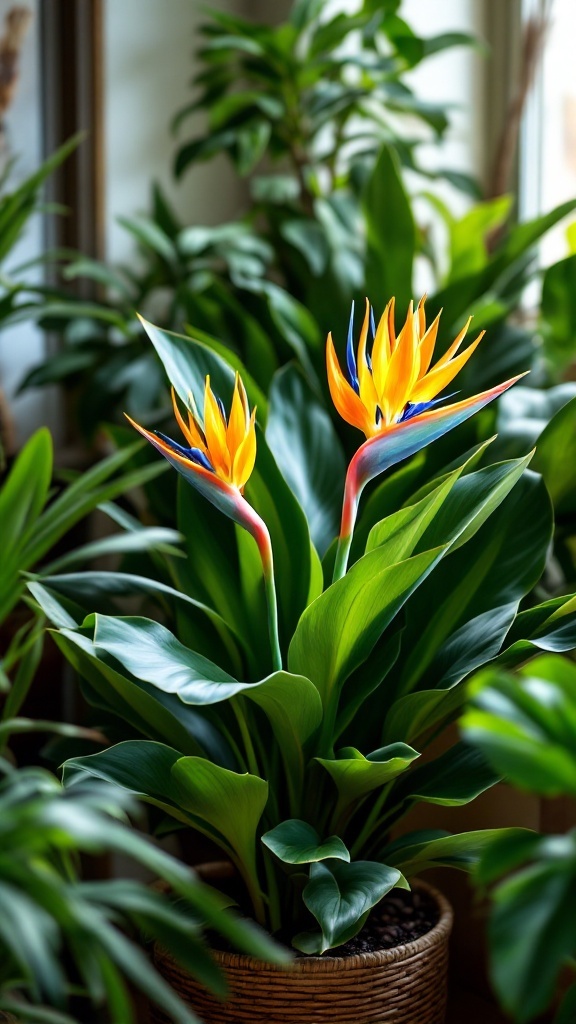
<point>341,895</point>
<point>231,804</point>
<point>297,842</point>
<point>558,311</point>
<point>451,780</point>
<point>339,629</point>
<point>305,445</point>
<point>550,626</point>
<point>419,851</point>
<point>556,456</point>
<point>152,653</point>
<point>460,296</point>
<point>157,715</point>
<point>391,233</point>
<point>469,236</point>
<point>222,804</point>
<point>487,577</point>
<point>94,591</point>
<point>187,363</point>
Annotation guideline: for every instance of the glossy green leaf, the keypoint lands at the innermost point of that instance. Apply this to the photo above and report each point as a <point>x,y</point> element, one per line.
<point>341,895</point>
<point>157,715</point>
<point>93,591</point>
<point>152,653</point>
<point>355,776</point>
<point>222,804</point>
<point>308,452</point>
<point>455,778</point>
<point>339,629</point>
<point>419,851</point>
<point>556,456</point>
<point>391,233</point>
<point>297,842</point>
<point>558,311</point>
<point>486,577</point>
<point>187,363</point>
<point>229,803</point>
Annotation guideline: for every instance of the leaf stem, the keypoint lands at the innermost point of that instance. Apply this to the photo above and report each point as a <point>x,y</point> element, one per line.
<point>238,708</point>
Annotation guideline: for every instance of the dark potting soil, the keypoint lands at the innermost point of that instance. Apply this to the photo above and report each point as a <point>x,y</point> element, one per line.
<point>401,917</point>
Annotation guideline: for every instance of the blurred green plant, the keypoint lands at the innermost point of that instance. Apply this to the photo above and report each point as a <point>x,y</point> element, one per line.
<point>67,944</point>
<point>525,726</point>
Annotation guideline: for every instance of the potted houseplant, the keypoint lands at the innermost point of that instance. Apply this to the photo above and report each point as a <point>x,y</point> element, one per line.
<point>288,715</point>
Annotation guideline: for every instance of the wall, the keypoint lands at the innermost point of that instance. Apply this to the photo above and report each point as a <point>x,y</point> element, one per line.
<point>148,66</point>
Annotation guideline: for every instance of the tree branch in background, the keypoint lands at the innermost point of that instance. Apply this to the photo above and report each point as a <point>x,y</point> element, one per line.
<point>533,41</point>
<point>16,24</point>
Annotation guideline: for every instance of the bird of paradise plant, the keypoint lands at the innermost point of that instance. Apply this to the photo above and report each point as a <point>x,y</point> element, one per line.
<point>299,773</point>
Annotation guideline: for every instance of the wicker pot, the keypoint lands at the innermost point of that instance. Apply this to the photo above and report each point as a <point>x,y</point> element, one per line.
<point>404,985</point>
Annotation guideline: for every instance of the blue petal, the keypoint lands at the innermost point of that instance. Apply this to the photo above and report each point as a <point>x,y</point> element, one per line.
<point>194,454</point>
<point>417,408</point>
<point>221,407</point>
<point>350,357</point>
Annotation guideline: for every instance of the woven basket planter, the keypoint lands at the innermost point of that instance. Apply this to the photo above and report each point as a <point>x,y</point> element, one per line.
<point>404,985</point>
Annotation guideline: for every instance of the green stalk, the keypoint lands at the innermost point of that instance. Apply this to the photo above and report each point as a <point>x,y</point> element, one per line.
<point>273,893</point>
<point>251,761</point>
<point>341,561</point>
<point>371,823</point>
<point>272,606</point>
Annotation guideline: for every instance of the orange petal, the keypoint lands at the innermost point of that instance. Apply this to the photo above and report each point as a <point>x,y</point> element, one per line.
<point>368,395</point>
<point>191,432</point>
<point>452,350</point>
<point>427,343</point>
<point>245,456</point>
<point>237,420</point>
<point>421,313</point>
<point>438,378</point>
<point>347,402</point>
<point>391,323</point>
<point>403,368</point>
<point>215,431</point>
<point>381,351</point>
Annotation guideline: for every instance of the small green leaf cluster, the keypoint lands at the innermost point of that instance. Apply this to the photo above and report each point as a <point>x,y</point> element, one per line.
<point>525,726</point>
<point>303,776</point>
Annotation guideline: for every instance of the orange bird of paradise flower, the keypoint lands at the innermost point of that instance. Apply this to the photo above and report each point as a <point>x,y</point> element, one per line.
<point>217,460</point>
<point>390,393</point>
